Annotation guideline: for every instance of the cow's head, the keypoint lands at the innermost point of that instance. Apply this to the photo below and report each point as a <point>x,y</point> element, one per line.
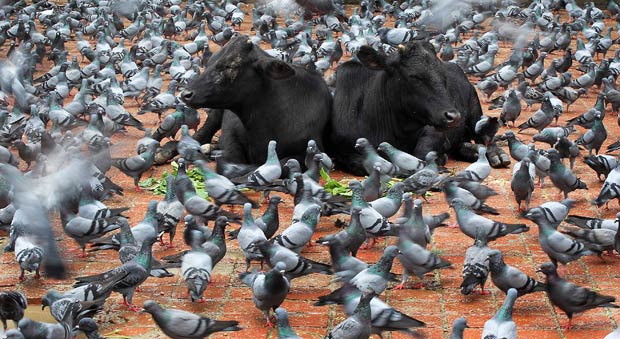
<point>420,79</point>
<point>233,74</point>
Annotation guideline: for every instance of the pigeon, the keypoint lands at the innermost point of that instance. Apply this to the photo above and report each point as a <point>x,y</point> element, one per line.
<point>296,236</point>
<point>453,191</point>
<point>610,189</point>
<point>269,289</point>
<point>89,327</point>
<point>34,329</point>
<point>414,227</point>
<point>479,170</point>
<point>469,221</point>
<point>506,277</point>
<point>592,223</point>
<point>406,163</point>
<point>486,128</point>
<point>516,148</point>
<point>425,178</point>
<point>383,316</point>
<point>594,138</point>
<point>570,297</point>
<point>541,118</point>
<point>178,324</point>
<point>220,188</point>
<point>602,238</point>
<point>567,149</point>
<point>388,205</point>
<point>28,255</point>
<point>555,212</point>
<point>169,212</point>
<point>284,328</point>
<point>136,166</point>
<point>511,110</point>
<point>82,230</point>
<point>295,265</point>
<point>373,222</point>
<point>375,277</point>
<point>458,327</point>
<point>371,186</point>
<point>616,333</point>
<point>561,176</point>
<point>358,325</point>
<point>416,260</point>
<point>602,164</point>
<point>502,325</point>
<point>344,265</point>
<point>557,246</point>
<point>522,183</point>
<point>196,267</point>
<point>476,265</point>
<point>269,171</point>
<point>371,157</point>
<point>352,237</point>
<point>249,233</point>
<point>12,306</point>
<point>16,334</point>
<point>135,272</point>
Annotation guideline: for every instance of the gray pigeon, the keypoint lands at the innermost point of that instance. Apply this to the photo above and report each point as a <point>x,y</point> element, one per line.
<point>469,221</point>
<point>375,278</point>
<point>371,157</point>
<point>136,166</point>
<point>476,264</point>
<point>169,212</point>
<point>249,234</point>
<point>220,188</point>
<point>15,334</point>
<point>458,327</point>
<point>269,171</point>
<point>135,272</point>
<point>196,267</point>
<point>373,222</point>
<point>294,265</point>
<point>452,192</point>
<point>602,164</point>
<point>352,237</point>
<point>414,228</point>
<point>417,260</point>
<point>511,108</point>
<point>406,163</point>
<point>268,289</point>
<point>556,211</point>
<point>89,327</point>
<point>522,183</point>
<point>561,176</point>
<point>610,189</point>
<point>358,325</point>
<point>383,316</point>
<point>541,118</point>
<point>12,306</point>
<point>570,297</point>
<point>388,205</point>
<point>32,329</point>
<point>602,239</point>
<point>506,277</point>
<point>284,328</point>
<point>178,324</point>
<point>371,186</point>
<point>502,326</point>
<point>559,247</point>
<point>425,178</point>
<point>614,335</point>
<point>479,170</point>
<point>29,256</point>
<point>296,236</point>
<point>592,223</point>
<point>344,265</point>
<point>594,138</point>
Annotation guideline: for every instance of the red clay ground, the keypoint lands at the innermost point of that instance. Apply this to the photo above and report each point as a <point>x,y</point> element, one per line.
<point>228,298</point>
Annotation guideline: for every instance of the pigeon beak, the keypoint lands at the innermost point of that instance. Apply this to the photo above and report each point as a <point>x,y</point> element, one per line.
<point>467,326</point>
<point>282,271</point>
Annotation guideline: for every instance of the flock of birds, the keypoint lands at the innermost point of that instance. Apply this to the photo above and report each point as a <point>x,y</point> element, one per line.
<point>60,124</point>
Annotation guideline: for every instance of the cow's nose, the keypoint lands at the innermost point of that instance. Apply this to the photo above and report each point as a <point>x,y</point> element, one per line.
<point>452,117</point>
<point>186,95</point>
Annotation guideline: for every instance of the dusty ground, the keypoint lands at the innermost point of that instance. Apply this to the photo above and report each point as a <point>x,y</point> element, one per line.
<point>227,298</point>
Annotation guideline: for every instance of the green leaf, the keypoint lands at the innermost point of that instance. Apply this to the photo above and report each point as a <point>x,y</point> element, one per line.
<point>334,187</point>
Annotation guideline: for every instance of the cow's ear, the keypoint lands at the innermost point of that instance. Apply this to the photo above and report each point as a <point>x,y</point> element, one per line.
<point>276,69</point>
<point>371,58</point>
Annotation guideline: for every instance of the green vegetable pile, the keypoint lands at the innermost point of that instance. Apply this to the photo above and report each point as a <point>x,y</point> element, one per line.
<point>335,187</point>
<point>158,185</point>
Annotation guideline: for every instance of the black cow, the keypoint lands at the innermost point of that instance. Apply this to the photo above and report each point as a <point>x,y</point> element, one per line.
<point>270,99</point>
<point>410,99</point>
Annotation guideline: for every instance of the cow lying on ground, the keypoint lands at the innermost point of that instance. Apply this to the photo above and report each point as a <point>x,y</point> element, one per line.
<point>410,99</point>
<point>270,99</point>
